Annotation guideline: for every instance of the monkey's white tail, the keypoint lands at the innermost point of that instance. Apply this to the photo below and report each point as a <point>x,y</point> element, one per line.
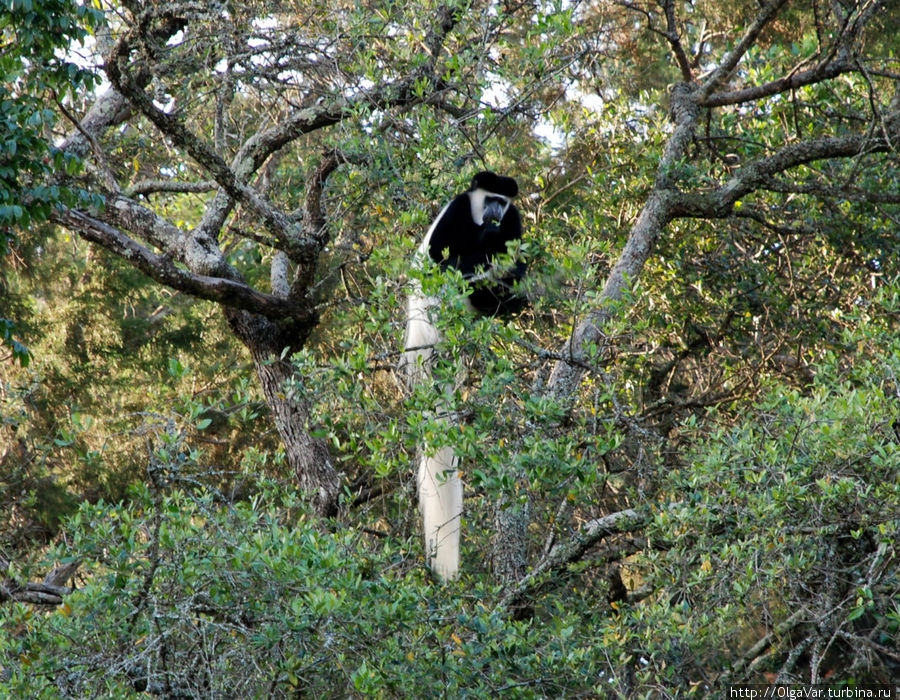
<point>421,338</point>
<point>440,488</point>
<point>440,500</point>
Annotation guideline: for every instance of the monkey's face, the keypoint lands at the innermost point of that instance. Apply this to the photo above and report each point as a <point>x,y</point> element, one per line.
<point>494,209</point>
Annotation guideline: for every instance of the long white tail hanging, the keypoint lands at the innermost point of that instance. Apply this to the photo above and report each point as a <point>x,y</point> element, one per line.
<point>439,485</point>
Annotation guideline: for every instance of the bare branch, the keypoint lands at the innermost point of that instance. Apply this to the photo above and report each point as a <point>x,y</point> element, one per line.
<point>125,213</point>
<point>50,592</point>
<point>314,222</point>
<point>60,575</point>
<point>564,554</point>
<point>26,595</point>
<point>838,60</point>
<point>748,657</point>
<point>319,116</point>
<point>791,82</point>
<point>675,41</point>
<point>162,268</point>
<point>844,192</point>
<point>258,148</point>
<point>105,173</point>
<point>755,214</point>
<point>173,127</point>
<point>721,73</point>
<point>758,174</point>
<point>110,109</point>
<point>655,215</point>
<point>145,187</point>
<point>315,226</point>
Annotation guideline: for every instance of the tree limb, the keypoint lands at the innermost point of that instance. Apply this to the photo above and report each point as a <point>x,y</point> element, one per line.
<point>257,149</point>
<point>315,226</point>
<point>675,42</point>
<point>106,174</point>
<point>838,60</point>
<point>50,592</point>
<point>655,215</point>
<point>791,82</point>
<point>843,192</point>
<point>145,187</point>
<point>199,252</point>
<point>110,109</point>
<point>173,127</point>
<point>162,268</point>
<point>758,174</point>
<point>725,68</point>
<point>564,554</point>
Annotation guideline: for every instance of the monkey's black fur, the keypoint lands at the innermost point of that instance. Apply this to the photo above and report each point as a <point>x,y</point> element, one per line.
<point>457,239</point>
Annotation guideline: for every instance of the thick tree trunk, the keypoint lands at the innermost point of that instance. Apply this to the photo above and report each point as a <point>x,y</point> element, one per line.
<point>307,456</point>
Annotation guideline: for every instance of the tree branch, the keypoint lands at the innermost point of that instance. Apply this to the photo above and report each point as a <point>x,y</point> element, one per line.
<point>794,81</point>
<point>837,61</point>
<point>200,253</point>
<point>655,215</point>
<point>845,192</point>
<point>257,149</point>
<point>106,174</point>
<point>49,592</point>
<point>145,187</point>
<point>110,109</point>
<point>314,222</point>
<point>666,202</point>
<point>721,73</point>
<point>675,41</point>
<point>275,221</point>
<point>564,554</point>
<point>173,127</point>
<point>757,175</point>
<point>315,226</point>
<point>162,269</point>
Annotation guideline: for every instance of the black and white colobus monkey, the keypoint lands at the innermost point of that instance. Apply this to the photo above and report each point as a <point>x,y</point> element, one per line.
<point>468,234</point>
<point>471,231</point>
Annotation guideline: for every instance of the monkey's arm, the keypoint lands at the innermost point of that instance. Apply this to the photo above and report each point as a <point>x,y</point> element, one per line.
<point>447,231</point>
<point>511,226</point>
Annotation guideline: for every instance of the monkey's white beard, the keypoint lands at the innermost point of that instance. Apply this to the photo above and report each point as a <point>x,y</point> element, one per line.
<point>476,203</point>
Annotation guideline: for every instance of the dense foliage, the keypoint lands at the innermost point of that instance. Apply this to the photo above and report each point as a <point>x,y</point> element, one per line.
<point>681,462</point>
<point>31,68</point>
<point>776,518</point>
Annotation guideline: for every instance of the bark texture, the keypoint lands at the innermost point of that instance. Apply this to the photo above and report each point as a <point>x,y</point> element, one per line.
<point>270,344</point>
